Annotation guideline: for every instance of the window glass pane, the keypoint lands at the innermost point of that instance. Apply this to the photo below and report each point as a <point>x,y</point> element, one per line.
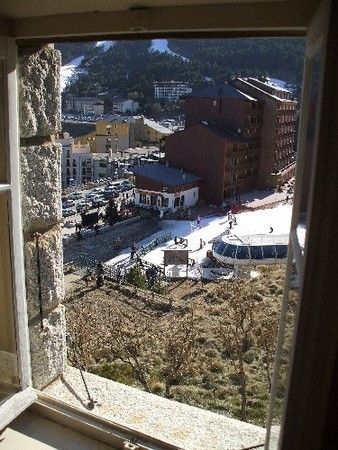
<point>9,380</point>
<point>281,251</point>
<point>269,251</point>
<point>230,251</point>
<point>3,177</point>
<point>243,252</point>
<point>256,252</point>
<point>286,330</point>
<point>311,131</point>
<point>219,247</point>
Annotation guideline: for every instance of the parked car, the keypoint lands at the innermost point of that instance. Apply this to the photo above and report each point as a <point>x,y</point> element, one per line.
<point>126,187</point>
<point>111,194</point>
<point>69,204</point>
<point>98,190</point>
<point>83,206</point>
<point>75,195</point>
<point>66,212</point>
<point>90,196</point>
<point>99,200</point>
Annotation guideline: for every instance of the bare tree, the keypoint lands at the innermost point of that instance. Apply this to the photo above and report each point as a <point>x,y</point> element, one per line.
<point>135,339</point>
<point>266,332</point>
<point>236,328</point>
<point>180,351</point>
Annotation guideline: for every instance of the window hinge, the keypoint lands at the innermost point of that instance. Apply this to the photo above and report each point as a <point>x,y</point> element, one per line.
<point>128,445</point>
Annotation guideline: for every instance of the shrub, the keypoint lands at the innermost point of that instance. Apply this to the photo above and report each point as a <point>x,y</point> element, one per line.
<point>160,288</point>
<point>192,395</point>
<point>258,297</point>
<point>115,371</point>
<point>223,393</point>
<point>249,356</point>
<point>157,388</point>
<point>137,278</point>
<point>236,378</point>
<point>211,353</point>
<point>216,366</point>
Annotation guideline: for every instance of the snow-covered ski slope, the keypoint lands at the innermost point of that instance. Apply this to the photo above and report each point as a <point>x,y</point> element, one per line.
<point>248,223</point>
<point>161,45</point>
<point>68,70</point>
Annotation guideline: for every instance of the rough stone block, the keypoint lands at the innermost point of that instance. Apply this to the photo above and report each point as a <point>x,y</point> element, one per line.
<point>39,92</point>
<point>48,348</point>
<point>51,271</point>
<point>41,185</point>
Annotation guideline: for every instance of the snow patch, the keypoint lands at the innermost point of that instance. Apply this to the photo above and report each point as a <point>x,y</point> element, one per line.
<point>105,44</point>
<point>69,70</point>
<point>279,83</point>
<point>161,46</point>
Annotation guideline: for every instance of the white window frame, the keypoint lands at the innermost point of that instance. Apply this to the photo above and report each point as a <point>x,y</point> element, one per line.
<point>18,402</point>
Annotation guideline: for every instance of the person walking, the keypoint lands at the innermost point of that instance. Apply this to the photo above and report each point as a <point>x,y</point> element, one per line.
<point>118,243</point>
<point>99,274</point>
<point>133,250</point>
<point>198,222</point>
<point>87,277</point>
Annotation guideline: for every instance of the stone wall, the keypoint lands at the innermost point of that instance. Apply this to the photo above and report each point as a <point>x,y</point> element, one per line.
<point>40,120</point>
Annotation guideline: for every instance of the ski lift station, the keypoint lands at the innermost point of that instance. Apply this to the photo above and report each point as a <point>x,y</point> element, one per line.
<point>251,250</point>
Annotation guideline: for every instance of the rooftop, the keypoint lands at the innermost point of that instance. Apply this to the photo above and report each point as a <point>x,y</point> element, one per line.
<point>166,175</point>
<point>171,82</point>
<point>266,88</point>
<point>221,130</point>
<point>156,126</point>
<point>268,83</point>
<point>258,239</point>
<point>222,91</point>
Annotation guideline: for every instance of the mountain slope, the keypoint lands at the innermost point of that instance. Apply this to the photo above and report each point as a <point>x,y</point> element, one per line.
<point>129,68</point>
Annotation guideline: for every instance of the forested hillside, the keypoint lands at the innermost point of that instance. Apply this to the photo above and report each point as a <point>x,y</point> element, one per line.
<point>73,50</point>
<point>277,57</point>
<point>129,68</point>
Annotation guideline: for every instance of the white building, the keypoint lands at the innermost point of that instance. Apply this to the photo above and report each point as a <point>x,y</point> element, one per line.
<point>76,162</point>
<point>125,106</point>
<point>165,188</point>
<point>88,106</point>
<point>171,90</point>
<point>103,166</point>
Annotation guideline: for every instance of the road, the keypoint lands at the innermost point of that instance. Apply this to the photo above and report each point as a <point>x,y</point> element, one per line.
<point>102,246</point>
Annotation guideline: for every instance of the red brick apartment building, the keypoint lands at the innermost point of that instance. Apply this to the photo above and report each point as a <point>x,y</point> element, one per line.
<point>278,132</point>
<point>236,139</point>
<point>220,142</point>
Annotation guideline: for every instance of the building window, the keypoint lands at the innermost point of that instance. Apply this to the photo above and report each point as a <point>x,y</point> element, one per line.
<point>153,200</point>
<point>143,198</point>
